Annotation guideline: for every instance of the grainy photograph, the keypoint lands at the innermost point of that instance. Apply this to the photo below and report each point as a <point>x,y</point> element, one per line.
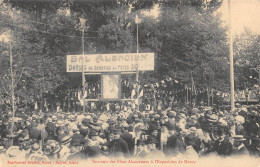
<point>129,83</point>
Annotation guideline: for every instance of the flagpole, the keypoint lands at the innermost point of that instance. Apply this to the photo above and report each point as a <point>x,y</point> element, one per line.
<point>83,22</point>
<point>137,21</point>
<point>231,60</point>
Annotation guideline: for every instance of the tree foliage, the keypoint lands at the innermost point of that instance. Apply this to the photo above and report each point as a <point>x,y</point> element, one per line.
<point>186,37</point>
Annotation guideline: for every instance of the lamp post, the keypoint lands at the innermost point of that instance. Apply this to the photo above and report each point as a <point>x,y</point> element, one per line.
<point>232,87</point>
<point>137,22</point>
<point>83,22</point>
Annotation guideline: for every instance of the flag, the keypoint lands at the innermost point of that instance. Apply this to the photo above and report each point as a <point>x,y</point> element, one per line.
<point>243,94</point>
<point>85,94</point>
<point>35,106</point>
<point>137,20</point>
<point>141,93</point>
<point>168,79</point>
<point>132,93</point>
<point>45,105</point>
<point>79,95</point>
<point>108,106</point>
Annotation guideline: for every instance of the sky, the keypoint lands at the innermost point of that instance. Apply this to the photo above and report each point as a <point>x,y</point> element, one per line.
<point>244,13</point>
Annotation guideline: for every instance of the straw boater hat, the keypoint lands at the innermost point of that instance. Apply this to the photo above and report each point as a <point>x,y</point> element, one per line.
<point>213,118</point>
<point>14,152</point>
<point>240,119</point>
<point>65,139</point>
<point>239,138</point>
<point>2,149</point>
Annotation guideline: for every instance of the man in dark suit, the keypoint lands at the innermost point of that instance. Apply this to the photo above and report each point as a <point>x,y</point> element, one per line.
<point>118,147</point>
<point>254,148</point>
<point>239,147</point>
<point>76,148</point>
<point>128,138</point>
<point>171,144</point>
<point>222,146</point>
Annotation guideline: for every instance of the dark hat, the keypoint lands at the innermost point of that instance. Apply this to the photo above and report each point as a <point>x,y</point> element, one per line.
<point>154,126</point>
<point>208,114</point>
<point>50,127</point>
<point>85,122</point>
<point>35,134</point>
<point>189,125</point>
<point>60,128</point>
<point>253,112</point>
<point>77,140</point>
<point>220,132</point>
<point>151,140</point>
<point>256,139</point>
<point>93,132</point>
<point>116,131</point>
<point>95,119</point>
<point>189,140</point>
<point>92,151</point>
<point>171,115</point>
<point>171,126</point>
<point>111,121</point>
<point>140,142</point>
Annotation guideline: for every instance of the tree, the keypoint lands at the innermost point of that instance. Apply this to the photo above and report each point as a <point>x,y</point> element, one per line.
<point>246,53</point>
<point>32,62</point>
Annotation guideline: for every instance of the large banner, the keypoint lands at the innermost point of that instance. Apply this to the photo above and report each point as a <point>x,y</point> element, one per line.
<point>110,86</point>
<point>111,62</point>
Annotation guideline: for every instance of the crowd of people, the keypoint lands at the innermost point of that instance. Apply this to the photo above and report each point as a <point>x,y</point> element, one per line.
<point>121,130</point>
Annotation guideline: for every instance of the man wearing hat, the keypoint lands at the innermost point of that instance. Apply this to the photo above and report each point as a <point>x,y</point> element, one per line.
<point>14,153</point>
<point>254,148</point>
<point>153,152</point>
<point>171,144</point>
<point>118,147</point>
<point>190,152</point>
<point>92,151</point>
<point>222,146</point>
<point>64,147</point>
<point>76,148</point>
<point>239,147</point>
<point>51,129</point>
<point>141,148</point>
<point>128,138</point>
<point>94,139</point>
<point>155,131</point>
<point>36,154</point>
<point>84,127</point>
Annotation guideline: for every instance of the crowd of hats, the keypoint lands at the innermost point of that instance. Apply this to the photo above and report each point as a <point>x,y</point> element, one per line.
<point>77,128</point>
